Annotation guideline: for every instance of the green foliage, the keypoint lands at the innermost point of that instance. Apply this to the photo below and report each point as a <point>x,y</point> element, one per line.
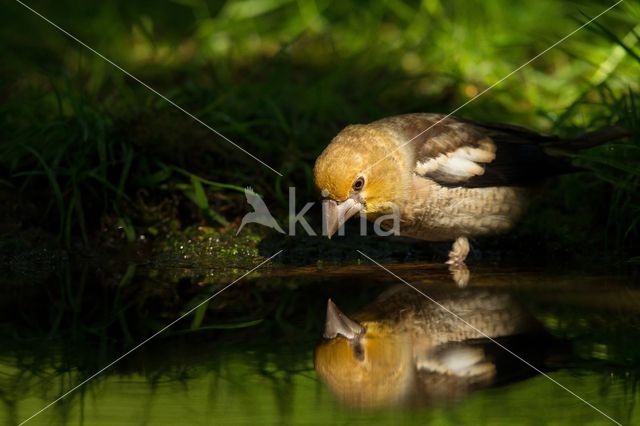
<point>617,164</point>
<point>80,168</point>
<point>280,78</point>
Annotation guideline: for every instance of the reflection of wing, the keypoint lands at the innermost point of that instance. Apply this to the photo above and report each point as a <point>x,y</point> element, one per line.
<point>453,369</point>
<point>458,360</point>
<point>456,369</point>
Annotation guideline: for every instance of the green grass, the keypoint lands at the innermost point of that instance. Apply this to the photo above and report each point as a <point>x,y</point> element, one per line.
<point>93,149</point>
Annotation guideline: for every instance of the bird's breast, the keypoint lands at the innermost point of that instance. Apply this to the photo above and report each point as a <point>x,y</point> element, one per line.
<point>438,213</point>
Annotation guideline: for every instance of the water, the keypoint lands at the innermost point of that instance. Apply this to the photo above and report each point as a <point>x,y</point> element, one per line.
<point>247,357</point>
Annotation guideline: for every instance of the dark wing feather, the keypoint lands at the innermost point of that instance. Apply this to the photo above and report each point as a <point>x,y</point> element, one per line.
<point>460,153</point>
<point>518,165</point>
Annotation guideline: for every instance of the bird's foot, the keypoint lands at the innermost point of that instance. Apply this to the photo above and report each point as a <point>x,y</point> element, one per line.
<point>459,251</point>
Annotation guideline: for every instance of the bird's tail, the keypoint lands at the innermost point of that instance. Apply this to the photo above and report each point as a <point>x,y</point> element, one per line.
<point>589,139</point>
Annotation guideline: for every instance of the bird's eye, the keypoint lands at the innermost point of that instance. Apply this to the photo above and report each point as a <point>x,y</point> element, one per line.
<point>358,184</point>
<point>358,351</point>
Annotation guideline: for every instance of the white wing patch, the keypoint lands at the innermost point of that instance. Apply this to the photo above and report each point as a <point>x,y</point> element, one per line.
<point>460,164</point>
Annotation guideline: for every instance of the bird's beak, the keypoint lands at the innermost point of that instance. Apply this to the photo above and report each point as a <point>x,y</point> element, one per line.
<point>336,214</point>
<point>339,324</point>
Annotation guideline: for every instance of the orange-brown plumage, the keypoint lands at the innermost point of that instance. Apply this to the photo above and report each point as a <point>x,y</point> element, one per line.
<point>351,152</point>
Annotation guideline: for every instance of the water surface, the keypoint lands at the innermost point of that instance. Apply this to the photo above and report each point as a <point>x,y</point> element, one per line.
<point>247,356</point>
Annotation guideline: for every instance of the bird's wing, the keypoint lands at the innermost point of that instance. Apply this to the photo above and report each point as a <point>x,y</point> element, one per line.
<point>456,152</point>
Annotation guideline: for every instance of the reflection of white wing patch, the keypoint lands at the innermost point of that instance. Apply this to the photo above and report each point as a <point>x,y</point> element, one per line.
<point>458,360</point>
<point>460,164</point>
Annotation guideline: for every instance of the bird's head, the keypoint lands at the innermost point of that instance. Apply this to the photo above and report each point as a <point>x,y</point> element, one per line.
<point>364,364</point>
<point>362,170</point>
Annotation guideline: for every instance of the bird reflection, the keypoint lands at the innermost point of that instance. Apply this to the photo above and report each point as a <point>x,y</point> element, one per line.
<point>403,349</point>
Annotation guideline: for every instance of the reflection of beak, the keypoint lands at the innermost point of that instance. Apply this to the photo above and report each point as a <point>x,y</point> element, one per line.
<point>336,214</point>
<point>339,324</point>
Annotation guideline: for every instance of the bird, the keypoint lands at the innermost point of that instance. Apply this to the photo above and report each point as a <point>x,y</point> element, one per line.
<point>445,178</point>
<point>260,214</point>
<point>403,349</point>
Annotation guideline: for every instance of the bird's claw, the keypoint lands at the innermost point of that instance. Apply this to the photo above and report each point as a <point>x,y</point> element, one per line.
<point>457,255</point>
<point>459,251</point>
